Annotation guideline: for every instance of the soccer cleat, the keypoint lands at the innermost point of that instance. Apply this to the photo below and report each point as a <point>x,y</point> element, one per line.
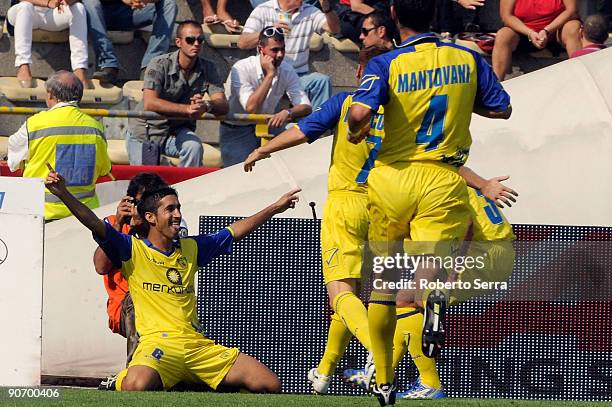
<point>433,324</point>
<point>421,391</point>
<point>108,384</point>
<point>320,382</point>
<point>361,378</point>
<point>385,393</point>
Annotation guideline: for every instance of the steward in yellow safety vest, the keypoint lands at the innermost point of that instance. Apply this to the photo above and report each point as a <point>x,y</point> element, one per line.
<point>70,140</point>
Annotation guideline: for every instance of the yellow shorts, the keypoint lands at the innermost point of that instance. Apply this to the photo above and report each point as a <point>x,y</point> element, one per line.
<point>190,358</point>
<point>422,205</point>
<point>344,231</point>
<point>494,263</point>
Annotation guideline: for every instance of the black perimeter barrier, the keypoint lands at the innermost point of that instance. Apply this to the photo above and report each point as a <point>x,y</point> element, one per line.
<point>549,336</point>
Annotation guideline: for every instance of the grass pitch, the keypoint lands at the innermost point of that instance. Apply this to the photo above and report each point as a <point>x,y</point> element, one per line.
<point>88,397</point>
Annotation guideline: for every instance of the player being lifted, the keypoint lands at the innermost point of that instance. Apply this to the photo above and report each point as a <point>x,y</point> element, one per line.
<point>490,240</point>
<point>429,90</point>
<point>345,221</point>
<point>160,270</point>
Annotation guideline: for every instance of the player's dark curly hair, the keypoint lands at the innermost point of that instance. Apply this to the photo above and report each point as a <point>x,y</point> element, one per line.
<point>415,14</point>
<point>150,200</point>
<point>145,181</point>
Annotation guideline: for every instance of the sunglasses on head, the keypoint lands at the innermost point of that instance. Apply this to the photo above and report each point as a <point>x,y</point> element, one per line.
<point>366,31</point>
<point>191,39</point>
<point>271,31</point>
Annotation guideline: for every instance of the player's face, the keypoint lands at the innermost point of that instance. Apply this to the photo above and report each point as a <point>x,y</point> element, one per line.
<point>275,50</point>
<point>168,217</point>
<point>190,41</point>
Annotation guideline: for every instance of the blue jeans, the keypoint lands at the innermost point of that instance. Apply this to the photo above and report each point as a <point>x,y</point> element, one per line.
<point>185,145</point>
<point>256,3</point>
<point>120,17</point>
<point>318,87</point>
<point>237,143</point>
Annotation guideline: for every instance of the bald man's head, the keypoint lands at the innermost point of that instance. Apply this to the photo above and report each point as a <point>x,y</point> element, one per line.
<point>65,86</point>
<point>595,29</point>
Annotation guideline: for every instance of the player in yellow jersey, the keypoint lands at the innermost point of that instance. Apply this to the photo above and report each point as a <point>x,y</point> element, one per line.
<point>344,227</point>
<point>160,270</point>
<point>429,90</point>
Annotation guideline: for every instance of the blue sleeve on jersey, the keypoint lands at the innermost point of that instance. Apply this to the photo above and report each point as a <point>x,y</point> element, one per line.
<point>213,245</point>
<point>373,90</point>
<point>491,94</point>
<point>117,246</point>
<point>324,118</point>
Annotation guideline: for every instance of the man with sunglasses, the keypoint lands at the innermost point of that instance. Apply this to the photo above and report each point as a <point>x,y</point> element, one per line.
<point>299,21</point>
<point>256,85</point>
<point>378,30</point>
<point>175,85</point>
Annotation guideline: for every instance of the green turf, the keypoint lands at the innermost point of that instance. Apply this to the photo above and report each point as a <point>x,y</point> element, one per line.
<point>80,397</point>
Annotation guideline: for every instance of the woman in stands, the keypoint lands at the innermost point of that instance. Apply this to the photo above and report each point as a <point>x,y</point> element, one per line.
<point>50,15</point>
<point>532,25</point>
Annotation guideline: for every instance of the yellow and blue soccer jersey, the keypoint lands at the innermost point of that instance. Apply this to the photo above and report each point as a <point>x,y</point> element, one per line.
<point>429,89</point>
<point>350,163</point>
<point>162,284</point>
<point>489,223</point>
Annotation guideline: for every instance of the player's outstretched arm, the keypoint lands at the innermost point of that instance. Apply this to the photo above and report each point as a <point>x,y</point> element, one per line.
<point>286,139</point>
<point>56,185</point>
<point>243,227</point>
<point>490,114</point>
<point>491,188</point>
<point>102,263</point>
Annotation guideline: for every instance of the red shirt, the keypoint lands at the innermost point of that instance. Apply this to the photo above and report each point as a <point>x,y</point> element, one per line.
<point>537,14</point>
<point>116,287</point>
<point>587,50</point>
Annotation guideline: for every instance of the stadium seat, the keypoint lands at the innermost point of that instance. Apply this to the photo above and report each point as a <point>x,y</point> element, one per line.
<point>133,91</point>
<point>118,154</point>
<point>59,37</point>
<point>145,33</point>
<point>10,87</point>
<point>342,45</point>
<point>217,36</point>
<point>316,42</point>
<point>3,148</point>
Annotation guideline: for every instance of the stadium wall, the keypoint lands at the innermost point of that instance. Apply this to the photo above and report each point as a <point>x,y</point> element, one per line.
<point>555,148</point>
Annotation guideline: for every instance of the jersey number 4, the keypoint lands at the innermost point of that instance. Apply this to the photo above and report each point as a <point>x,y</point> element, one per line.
<point>431,132</point>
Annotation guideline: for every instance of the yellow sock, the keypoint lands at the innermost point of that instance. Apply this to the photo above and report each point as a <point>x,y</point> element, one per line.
<point>338,338</point>
<point>355,315</point>
<point>410,326</point>
<point>401,339</point>
<point>120,376</point>
<point>381,318</point>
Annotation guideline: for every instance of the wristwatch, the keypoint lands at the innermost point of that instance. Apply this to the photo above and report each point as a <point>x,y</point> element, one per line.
<point>208,106</point>
<point>290,117</point>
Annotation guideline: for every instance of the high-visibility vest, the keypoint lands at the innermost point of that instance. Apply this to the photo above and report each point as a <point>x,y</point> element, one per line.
<point>74,144</point>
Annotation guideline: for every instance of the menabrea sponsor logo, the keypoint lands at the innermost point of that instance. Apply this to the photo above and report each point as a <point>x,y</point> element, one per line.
<point>165,288</point>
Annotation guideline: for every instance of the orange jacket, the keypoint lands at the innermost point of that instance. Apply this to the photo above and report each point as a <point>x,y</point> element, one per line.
<point>116,287</point>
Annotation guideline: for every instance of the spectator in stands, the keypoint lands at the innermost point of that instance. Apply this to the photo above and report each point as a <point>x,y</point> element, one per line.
<point>120,308</point>
<point>352,13</point>
<point>593,35</point>
<point>66,138</point>
<point>379,30</point>
<point>455,16</point>
<point>221,16</point>
<point>255,3</point>
<point>128,15</point>
<point>175,85</point>
<point>532,25</point>
<point>299,21</point>
<point>52,15</point>
<point>256,85</point>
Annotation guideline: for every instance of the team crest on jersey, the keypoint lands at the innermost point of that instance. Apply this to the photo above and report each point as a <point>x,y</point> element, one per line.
<point>367,82</point>
<point>182,262</point>
<point>174,276</point>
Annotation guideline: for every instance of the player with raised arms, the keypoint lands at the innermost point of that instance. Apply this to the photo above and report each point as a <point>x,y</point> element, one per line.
<point>345,221</point>
<point>160,270</point>
<point>429,90</point>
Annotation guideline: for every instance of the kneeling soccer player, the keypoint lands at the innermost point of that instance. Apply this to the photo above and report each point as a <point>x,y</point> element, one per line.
<point>161,271</point>
<point>344,227</point>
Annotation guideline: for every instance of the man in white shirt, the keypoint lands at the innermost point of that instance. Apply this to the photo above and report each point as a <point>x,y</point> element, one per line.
<point>255,85</point>
<point>299,21</point>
